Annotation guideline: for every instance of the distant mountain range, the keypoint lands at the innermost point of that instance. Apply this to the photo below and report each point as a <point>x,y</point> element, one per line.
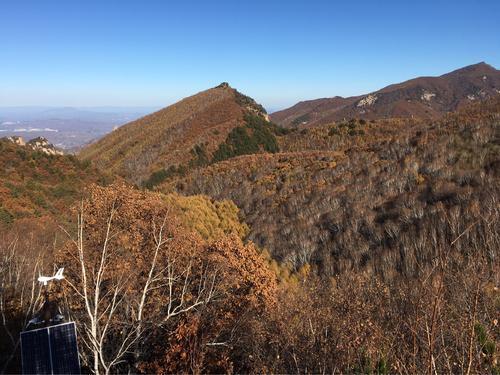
<point>423,97</point>
<point>98,114</point>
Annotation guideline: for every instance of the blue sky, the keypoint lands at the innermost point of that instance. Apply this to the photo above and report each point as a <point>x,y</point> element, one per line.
<point>152,53</point>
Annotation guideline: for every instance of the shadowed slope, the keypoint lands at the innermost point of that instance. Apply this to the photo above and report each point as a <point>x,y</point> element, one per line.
<point>383,202</point>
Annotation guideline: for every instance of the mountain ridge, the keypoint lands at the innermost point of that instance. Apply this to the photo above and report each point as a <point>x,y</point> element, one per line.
<point>174,136</point>
<point>425,97</point>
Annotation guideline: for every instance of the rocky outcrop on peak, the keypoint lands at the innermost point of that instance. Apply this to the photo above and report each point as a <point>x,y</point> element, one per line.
<point>41,144</point>
<point>37,144</point>
<point>17,140</point>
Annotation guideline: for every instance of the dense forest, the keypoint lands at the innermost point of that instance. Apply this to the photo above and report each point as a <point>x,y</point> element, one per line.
<point>350,247</point>
<point>366,197</point>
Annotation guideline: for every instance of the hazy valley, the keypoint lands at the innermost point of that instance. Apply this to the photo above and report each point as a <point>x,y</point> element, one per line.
<point>67,128</point>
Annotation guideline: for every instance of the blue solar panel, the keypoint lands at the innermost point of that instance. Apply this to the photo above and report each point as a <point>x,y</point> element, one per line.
<point>36,352</point>
<point>50,350</point>
<point>64,349</point>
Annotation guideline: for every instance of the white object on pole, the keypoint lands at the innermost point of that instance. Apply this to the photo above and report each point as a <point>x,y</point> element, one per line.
<point>58,276</point>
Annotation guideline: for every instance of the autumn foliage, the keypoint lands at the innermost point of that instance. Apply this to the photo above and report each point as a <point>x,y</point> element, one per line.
<point>34,184</point>
<point>380,202</point>
<point>359,247</point>
<point>193,322</point>
<point>170,137</point>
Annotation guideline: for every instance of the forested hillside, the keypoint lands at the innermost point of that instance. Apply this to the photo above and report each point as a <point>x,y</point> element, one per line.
<point>212,125</point>
<point>179,301</point>
<point>385,201</point>
<point>35,184</point>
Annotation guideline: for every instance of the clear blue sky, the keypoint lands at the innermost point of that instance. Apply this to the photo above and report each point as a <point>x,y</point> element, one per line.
<point>152,53</point>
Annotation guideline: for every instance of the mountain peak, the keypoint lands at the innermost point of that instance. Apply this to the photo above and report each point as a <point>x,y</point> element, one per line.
<point>422,97</point>
<point>183,134</point>
<point>480,67</point>
<point>482,64</point>
<point>224,85</point>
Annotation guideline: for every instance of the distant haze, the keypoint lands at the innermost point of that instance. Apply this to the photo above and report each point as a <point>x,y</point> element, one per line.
<point>66,127</point>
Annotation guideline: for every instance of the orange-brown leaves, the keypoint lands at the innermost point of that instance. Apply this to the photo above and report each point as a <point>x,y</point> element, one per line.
<point>199,297</point>
<point>33,184</point>
<point>251,276</point>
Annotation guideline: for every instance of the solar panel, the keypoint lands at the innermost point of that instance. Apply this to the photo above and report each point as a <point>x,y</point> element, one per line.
<point>36,352</point>
<point>50,350</point>
<point>64,349</point>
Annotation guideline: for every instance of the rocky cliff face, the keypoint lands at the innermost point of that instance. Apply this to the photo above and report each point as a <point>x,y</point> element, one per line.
<point>38,144</point>
<point>17,140</point>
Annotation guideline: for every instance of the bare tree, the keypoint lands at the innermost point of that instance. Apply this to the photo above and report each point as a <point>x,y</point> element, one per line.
<point>115,301</point>
<point>175,283</point>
